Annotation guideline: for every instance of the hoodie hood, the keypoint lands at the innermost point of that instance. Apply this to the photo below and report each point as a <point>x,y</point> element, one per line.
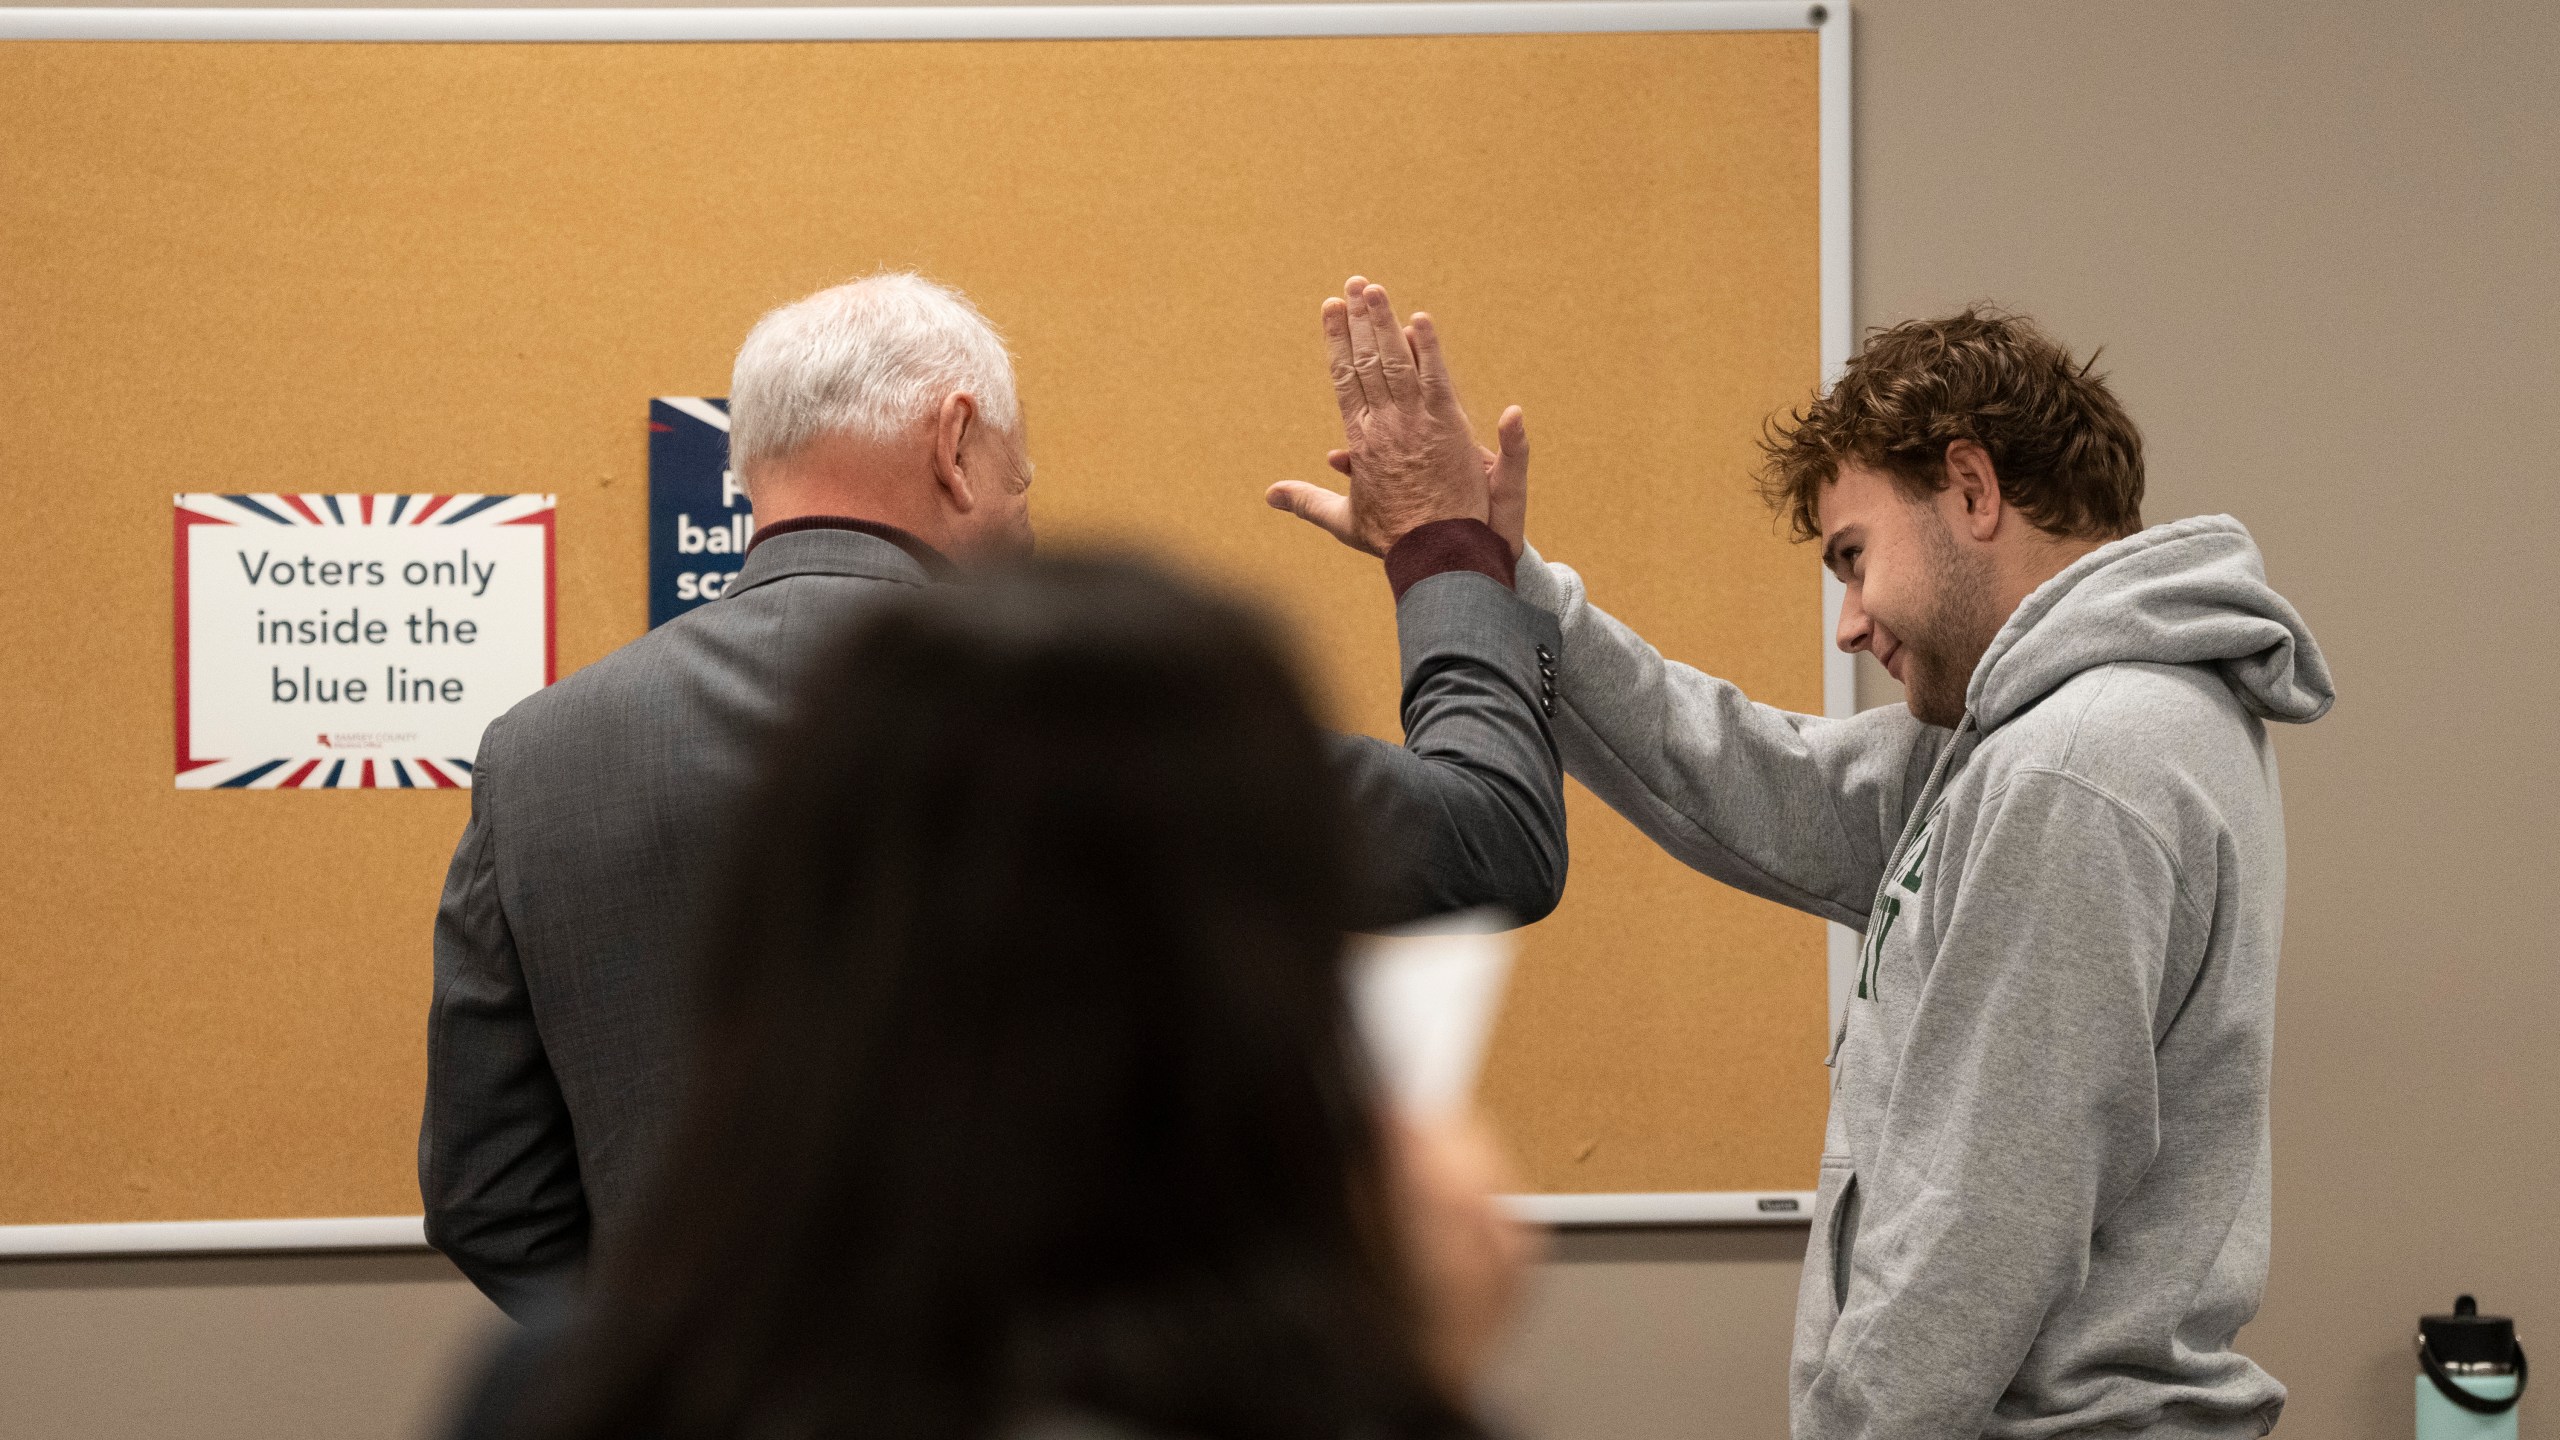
<point>2191,592</point>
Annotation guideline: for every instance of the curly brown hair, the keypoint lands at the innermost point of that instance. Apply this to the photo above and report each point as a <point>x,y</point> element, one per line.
<point>2068,457</point>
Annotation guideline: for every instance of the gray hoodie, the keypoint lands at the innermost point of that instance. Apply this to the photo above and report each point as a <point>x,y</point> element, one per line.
<point>2044,1190</point>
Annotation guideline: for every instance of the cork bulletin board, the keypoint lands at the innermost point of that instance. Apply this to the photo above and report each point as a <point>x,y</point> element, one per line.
<point>388,267</point>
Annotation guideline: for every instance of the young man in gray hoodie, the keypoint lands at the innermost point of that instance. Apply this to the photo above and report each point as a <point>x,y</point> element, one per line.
<point>2044,1184</point>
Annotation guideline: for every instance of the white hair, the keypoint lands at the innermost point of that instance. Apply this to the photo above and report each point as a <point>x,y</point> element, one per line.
<point>872,358</point>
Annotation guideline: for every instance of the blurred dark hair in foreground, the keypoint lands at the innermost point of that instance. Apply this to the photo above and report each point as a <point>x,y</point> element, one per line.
<point>1028,1087</point>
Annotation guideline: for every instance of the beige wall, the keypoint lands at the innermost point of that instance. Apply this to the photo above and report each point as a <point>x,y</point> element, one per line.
<point>1633,1335</point>
<point>2316,241</point>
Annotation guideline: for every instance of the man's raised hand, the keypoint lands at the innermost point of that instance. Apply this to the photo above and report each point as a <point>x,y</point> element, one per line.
<point>1409,451</point>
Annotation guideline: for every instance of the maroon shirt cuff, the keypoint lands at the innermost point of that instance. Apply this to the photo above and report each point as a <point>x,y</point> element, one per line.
<point>1443,546</point>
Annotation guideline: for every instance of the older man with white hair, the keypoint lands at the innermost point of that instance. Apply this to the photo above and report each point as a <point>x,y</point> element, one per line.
<point>890,402</point>
<point>878,434</point>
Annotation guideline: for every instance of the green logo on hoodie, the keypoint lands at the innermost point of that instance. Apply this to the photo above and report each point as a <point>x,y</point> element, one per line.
<point>1888,910</point>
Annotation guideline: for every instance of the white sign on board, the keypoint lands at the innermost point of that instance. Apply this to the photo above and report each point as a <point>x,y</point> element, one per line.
<point>350,642</point>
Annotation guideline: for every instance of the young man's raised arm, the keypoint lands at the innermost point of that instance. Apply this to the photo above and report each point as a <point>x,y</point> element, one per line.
<point>1794,808</point>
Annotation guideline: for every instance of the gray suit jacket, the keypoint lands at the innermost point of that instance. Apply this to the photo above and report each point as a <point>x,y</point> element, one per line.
<point>597,804</point>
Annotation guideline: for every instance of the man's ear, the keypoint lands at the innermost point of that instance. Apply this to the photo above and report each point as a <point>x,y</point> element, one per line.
<point>1975,485</point>
<point>953,430</point>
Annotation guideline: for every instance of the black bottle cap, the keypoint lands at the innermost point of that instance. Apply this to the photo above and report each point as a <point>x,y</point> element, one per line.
<point>2467,1337</point>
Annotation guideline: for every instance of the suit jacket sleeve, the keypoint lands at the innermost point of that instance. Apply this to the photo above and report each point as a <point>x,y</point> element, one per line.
<point>497,1159</point>
<point>1469,811</point>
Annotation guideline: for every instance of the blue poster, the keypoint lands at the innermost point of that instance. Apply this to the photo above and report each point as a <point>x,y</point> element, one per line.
<point>699,520</point>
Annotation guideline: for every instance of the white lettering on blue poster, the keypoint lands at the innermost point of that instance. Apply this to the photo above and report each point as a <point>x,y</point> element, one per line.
<point>699,520</point>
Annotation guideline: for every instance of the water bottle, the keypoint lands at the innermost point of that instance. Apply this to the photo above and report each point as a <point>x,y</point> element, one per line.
<point>2470,1375</point>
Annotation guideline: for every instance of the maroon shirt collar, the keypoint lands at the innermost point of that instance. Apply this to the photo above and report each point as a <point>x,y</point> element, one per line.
<point>935,563</point>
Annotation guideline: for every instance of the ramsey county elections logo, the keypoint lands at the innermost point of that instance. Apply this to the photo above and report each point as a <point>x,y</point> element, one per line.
<point>366,739</point>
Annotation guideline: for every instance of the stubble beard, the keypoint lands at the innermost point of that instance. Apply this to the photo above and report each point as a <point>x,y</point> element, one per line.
<point>1943,648</point>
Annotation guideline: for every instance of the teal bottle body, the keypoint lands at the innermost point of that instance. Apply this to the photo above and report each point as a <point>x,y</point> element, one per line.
<point>2441,1419</point>
<point>2471,1375</point>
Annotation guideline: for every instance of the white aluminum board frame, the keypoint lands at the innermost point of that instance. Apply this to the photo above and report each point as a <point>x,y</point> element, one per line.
<point>1027,22</point>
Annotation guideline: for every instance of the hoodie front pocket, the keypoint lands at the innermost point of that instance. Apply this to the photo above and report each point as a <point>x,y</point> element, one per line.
<point>1824,1283</point>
